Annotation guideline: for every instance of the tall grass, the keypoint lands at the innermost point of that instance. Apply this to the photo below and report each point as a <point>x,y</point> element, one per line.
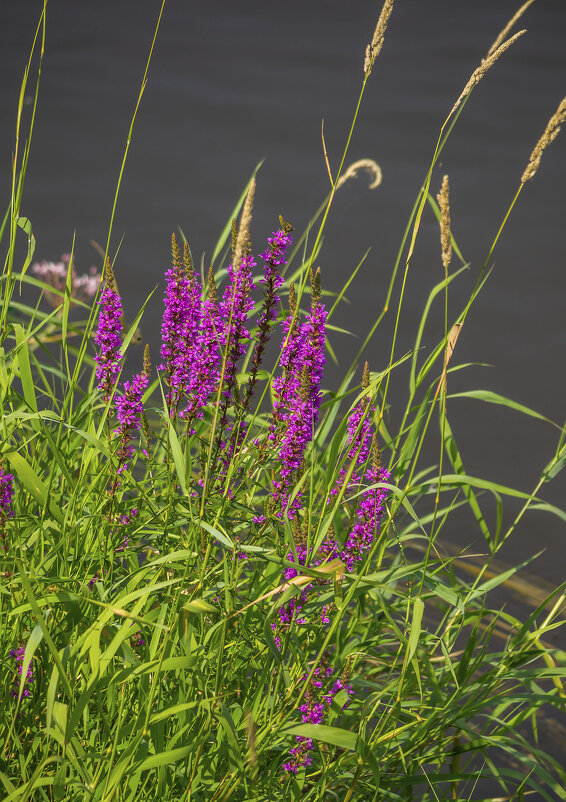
<point>220,582</point>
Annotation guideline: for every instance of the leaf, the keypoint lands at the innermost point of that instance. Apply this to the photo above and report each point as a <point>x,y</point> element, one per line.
<point>495,398</point>
<point>25,225</point>
<point>418,609</point>
<point>24,367</point>
<point>165,758</point>
<point>33,483</point>
<point>31,646</point>
<point>200,607</point>
<point>178,458</point>
<point>554,466</point>
<point>216,533</point>
<point>328,735</point>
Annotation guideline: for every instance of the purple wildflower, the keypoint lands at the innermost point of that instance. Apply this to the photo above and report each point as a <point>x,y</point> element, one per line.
<point>313,710</point>
<point>362,445</point>
<point>107,336</point>
<point>286,387</point>
<point>273,257</point>
<point>233,312</point>
<point>18,655</point>
<point>6,495</point>
<point>180,320</point>
<point>299,398</point>
<point>234,308</point>
<point>137,640</point>
<point>205,356</point>
<point>124,519</point>
<point>368,513</point>
<point>6,510</point>
<point>129,411</point>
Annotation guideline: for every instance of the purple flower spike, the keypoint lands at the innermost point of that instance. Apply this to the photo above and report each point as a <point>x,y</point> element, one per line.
<point>6,510</point>
<point>273,257</point>
<point>234,309</point>
<point>6,495</point>
<point>129,411</point>
<point>313,710</point>
<point>298,397</point>
<point>181,317</point>
<point>107,336</point>
<point>18,656</point>
<point>367,515</point>
<point>206,356</point>
<point>362,445</point>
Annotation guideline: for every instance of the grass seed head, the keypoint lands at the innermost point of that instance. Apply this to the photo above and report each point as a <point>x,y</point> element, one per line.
<point>374,48</point>
<point>443,199</point>
<point>550,133</point>
<point>484,67</point>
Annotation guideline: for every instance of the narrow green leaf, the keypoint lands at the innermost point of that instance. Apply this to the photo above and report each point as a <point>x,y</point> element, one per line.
<point>33,483</point>
<point>25,225</point>
<point>200,607</point>
<point>494,398</point>
<point>26,377</point>
<point>328,735</point>
<point>178,458</point>
<point>166,758</point>
<point>221,536</point>
<point>418,609</point>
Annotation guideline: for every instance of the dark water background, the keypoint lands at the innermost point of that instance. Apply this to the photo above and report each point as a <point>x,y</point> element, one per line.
<point>231,84</point>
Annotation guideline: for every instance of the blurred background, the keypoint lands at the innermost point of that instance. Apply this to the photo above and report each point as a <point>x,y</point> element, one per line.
<point>231,84</point>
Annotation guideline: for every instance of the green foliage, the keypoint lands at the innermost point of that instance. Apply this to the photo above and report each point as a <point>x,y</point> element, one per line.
<point>153,647</point>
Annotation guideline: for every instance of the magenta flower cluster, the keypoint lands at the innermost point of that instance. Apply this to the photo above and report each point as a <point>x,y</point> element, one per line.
<point>108,340</point>
<point>313,711</point>
<point>179,331</point>
<point>297,400</point>
<point>129,411</point>
<point>18,656</point>
<point>6,498</point>
<point>361,448</point>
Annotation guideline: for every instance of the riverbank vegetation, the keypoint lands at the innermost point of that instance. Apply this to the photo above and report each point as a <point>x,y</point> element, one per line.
<point>222,580</point>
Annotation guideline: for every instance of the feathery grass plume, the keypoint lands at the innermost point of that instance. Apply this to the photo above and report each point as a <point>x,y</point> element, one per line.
<point>274,258</point>
<point>108,335</point>
<point>550,133</point>
<point>234,235</point>
<point>450,346</point>
<point>443,199</point>
<point>503,33</point>
<point>484,67</point>
<point>374,48</point>
<point>369,165</point>
<point>188,260</point>
<point>243,238</point>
